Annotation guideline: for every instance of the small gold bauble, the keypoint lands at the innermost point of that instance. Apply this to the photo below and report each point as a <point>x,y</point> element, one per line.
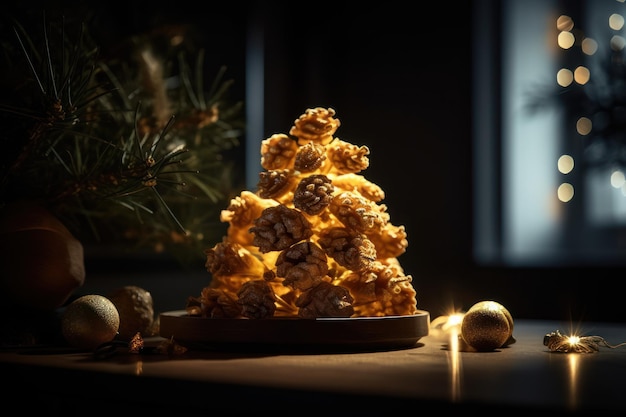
<point>486,326</point>
<point>90,321</point>
<point>135,306</point>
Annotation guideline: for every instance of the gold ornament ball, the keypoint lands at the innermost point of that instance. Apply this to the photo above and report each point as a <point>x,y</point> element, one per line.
<point>486,326</point>
<point>90,321</point>
<point>135,306</point>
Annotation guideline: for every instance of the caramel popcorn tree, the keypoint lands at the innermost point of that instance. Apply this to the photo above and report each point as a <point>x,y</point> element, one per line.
<point>313,241</point>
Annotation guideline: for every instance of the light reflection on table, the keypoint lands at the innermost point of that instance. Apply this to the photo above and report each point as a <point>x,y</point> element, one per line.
<point>523,376</point>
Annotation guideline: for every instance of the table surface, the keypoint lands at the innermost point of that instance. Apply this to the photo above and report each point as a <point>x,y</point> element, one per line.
<point>523,375</point>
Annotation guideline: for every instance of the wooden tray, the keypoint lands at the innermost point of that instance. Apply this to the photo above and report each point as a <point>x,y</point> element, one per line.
<point>294,334</point>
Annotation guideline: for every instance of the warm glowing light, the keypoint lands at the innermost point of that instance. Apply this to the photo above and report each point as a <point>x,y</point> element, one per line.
<point>565,164</point>
<point>564,23</point>
<point>617,179</point>
<point>583,126</point>
<point>565,192</point>
<point>573,340</point>
<point>589,46</point>
<point>566,40</point>
<point>617,43</point>
<point>616,21</point>
<point>177,40</point>
<point>455,365</point>
<point>581,75</point>
<point>455,319</point>
<point>573,361</point>
<point>564,77</point>
<point>447,322</point>
<point>446,327</point>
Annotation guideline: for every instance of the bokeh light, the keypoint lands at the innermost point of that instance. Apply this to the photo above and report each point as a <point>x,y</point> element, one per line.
<point>581,75</point>
<point>589,46</point>
<point>564,23</point>
<point>616,21</point>
<point>565,164</point>
<point>566,40</point>
<point>565,192</point>
<point>583,126</point>
<point>564,77</point>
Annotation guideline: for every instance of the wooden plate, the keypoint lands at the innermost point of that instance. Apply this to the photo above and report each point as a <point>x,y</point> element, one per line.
<point>288,334</point>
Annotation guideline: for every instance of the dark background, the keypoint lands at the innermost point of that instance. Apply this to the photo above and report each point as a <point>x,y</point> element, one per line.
<point>400,80</point>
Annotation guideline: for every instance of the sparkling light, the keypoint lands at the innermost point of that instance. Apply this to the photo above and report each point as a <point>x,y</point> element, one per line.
<point>446,323</point>
<point>573,340</point>
<point>455,319</point>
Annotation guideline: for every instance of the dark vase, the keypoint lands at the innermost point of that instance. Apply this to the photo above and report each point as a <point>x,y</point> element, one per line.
<point>41,262</point>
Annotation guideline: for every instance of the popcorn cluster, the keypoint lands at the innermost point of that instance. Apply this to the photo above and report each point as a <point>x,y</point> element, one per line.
<point>313,240</point>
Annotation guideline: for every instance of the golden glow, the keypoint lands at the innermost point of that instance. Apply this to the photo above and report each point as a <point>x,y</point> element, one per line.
<point>573,340</point>
<point>583,126</point>
<point>564,77</point>
<point>565,164</point>
<point>455,365</point>
<point>581,75</point>
<point>447,329</point>
<point>574,364</point>
<point>177,40</point>
<point>443,325</point>
<point>455,319</point>
<point>616,21</point>
<point>565,192</point>
<point>617,43</point>
<point>564,23</point>
<point>589,46</point>
<point>566,40</point>
<point>617,179</point>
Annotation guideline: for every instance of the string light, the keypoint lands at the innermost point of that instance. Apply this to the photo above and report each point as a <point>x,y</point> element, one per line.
<point>557,342</point>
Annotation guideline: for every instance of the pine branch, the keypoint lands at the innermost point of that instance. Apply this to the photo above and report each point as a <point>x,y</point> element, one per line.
<point>112,146</point>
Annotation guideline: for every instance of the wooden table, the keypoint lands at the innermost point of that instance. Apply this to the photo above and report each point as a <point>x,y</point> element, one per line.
<point>428,377</point>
